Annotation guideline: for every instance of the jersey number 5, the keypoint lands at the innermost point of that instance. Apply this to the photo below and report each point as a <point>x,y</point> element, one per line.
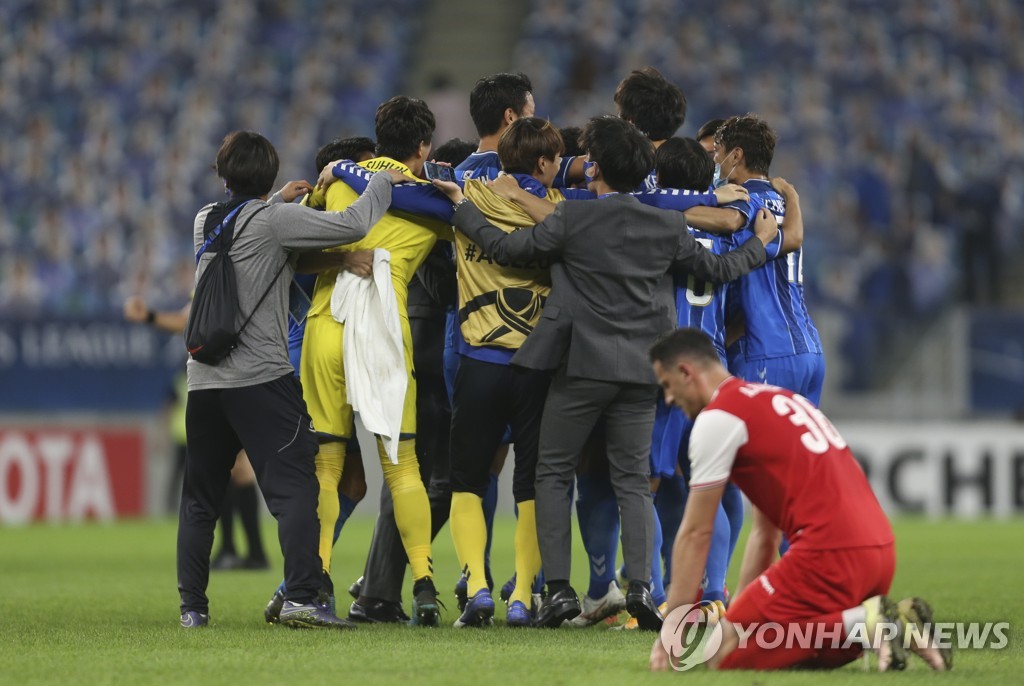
<point>820,433</point>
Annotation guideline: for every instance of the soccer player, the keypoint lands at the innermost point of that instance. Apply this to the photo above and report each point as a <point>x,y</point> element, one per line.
<point>706,135</point>
<point>803,481</point>
<point>404,127</point>
<point>780,345</point>
<point>654,105</point>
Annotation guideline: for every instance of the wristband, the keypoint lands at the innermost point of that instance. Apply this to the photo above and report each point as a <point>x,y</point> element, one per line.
<point>459,204</point>
<point>150,316</point>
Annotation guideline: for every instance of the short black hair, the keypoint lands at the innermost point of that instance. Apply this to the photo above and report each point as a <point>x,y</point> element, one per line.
<point>753,136</point>
<point>571,140</point>
<point>525,142</point>
<point>494,94</point>
<point>625,156</point>
<point>687,342</point>
<point>344,149</point>
<point>247,162</point>
<point>656,106</point>
<point>710,128</point>
<point>401,124</point>
<point>683,163</point>
<point>455,151</point>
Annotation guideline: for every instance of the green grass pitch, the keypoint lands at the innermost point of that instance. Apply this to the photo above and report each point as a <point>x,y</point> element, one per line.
<point>97,604</point>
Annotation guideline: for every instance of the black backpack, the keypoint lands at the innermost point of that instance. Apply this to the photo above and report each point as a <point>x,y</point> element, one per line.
<point>210,334</point>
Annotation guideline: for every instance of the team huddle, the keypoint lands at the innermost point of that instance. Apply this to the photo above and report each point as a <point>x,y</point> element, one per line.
<point>537,298</point>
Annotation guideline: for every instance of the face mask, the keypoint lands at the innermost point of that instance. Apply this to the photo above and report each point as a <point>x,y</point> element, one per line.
<point>717,182</point>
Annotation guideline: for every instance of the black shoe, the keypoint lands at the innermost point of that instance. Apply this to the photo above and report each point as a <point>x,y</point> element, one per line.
<point>255,563</point>
<point>559,607</point>
<point>374,611</point>
<point>325,596</point>
<point>640,605</point>
<point>226,560</point>
<point>425,610</point>
<point>356,589</point>
<point>272,612</point>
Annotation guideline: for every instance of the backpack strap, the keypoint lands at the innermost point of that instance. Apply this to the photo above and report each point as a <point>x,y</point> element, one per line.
<point>216,232</point>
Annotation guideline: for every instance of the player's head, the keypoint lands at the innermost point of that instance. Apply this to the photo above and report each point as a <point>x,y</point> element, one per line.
<point>683,163</point>
<point>248,163</point>
<point>688,368</point>
<point>357,149</point>
<point>706,134</point>
<point>744,144</point>
<point>571,138</point>
<point>621,155</point>
<point>404,128</point>
<point>454,152</point>
<point>498,100</point>
<point>648,100</point>
<point>533,146</point>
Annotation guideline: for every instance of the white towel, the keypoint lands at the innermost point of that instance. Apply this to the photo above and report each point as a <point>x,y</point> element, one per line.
<point>375,375</point>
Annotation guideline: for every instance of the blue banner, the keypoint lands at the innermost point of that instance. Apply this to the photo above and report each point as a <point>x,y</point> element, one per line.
<point>105,365</point>
<point>997,361</point>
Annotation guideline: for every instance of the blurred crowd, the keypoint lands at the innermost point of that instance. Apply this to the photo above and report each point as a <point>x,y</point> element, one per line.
<point>900,123</point>
<point>111,113</point>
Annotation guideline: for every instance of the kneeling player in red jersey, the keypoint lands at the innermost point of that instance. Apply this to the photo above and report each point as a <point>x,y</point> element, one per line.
<point>826,596</point>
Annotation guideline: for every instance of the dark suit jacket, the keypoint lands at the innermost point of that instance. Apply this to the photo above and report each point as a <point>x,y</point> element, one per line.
<point>608,289</point>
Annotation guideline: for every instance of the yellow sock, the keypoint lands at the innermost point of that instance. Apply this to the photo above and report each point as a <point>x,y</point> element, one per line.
<point>527,552</point>
<point>412,509</point>
<point>469,532</point>
<point>329,463</point>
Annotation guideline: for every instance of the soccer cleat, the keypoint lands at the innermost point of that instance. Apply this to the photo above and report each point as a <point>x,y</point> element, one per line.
<point>479,611</point>
<point>356,589</point>
<point>272,612</point>
<point>518,615</point>
<point>609,605</point>
<point>325,596</point>
<point>424,603</point>
<point>560,606</point>
<point>892,654</point>
<point>508,589</point>
<point>462,592</point>
<point>193,620</point>
<point>374,611</point>
<point>641,606</point>
<point>916,615</point>
<point>311,616</point>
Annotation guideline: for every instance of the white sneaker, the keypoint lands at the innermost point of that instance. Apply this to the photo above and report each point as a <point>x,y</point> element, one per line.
<point>594,611</point>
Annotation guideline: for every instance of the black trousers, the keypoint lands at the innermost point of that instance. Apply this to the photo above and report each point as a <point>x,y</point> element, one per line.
<point>271,422</point>
<point>487,398</point>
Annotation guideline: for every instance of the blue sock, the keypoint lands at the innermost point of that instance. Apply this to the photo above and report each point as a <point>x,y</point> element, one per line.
<point>347,506</point>
<point>718,558</point>
<point>669,503</point>
<point>490,504</point>
<point>732,502</point>
<point>598,514</point>
<point>657,582</point>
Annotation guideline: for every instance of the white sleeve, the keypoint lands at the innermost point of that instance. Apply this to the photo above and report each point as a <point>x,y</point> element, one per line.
<point>716,437</point>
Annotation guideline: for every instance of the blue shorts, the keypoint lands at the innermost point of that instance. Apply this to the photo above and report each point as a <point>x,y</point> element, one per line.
<point>803,374</point>
<point>671,431</point>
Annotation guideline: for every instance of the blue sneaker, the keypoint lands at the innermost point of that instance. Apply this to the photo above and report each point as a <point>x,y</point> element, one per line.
<point>508,589</point>
<point>479,610</point>
<point>311,616</point>
<point>518,615</point>
<point>461,592</point>
<point>193,620</point>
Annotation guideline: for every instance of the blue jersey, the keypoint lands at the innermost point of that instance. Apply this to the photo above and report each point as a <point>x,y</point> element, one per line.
<point>772,297</point>
<point>701,304</point>
<point>300,297</point>
<point>487,165</point>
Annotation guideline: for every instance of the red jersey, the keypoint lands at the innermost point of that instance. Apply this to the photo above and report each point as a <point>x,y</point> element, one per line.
<point>791,463</point>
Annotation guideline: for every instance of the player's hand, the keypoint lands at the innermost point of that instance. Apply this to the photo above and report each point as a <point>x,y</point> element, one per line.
<point>326,177</point>
<point>659,656</point>
<point>295,189</point>
<point>359,262</point>
<point>135,309</point>
<point>765,226</point>
<point>505,186</point>
<point>785,188</point>
<point>731,192</point>
<point>397,177</point>
<point>451,189</point>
